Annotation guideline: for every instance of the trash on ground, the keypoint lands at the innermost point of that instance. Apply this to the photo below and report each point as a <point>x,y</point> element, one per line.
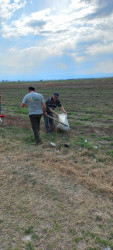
<point>53,144</point>
<point>0,120</point>
<point>27,238</point>
<point>107,248</point>
<point>66,145</point>
<point>95,147</point>
<point>85,140</point>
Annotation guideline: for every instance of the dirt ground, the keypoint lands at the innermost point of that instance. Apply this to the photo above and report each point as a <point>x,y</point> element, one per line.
<point>48,201</point>
<point>58,198</point>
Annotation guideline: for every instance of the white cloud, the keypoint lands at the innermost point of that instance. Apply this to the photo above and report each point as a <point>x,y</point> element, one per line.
<point>25,60</point>
<point>57,17</point>
<point>77,58</point>
<point>64,28</point>
<point>57,5</point>
<point>22,26</point>
<point>16,1</point>
<point>61,25</point>
<point>103,67</point>
<point>7,9</point>
<point>82,8</point>
<point>100,49</point>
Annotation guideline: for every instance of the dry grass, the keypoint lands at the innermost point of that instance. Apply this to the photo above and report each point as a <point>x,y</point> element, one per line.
<point>58,197</point>
<point>50,200</point>
<point>16,121</point>
<point>88,171</point>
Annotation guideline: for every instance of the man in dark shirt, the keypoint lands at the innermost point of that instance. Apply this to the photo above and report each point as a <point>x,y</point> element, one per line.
<point>51,104</point>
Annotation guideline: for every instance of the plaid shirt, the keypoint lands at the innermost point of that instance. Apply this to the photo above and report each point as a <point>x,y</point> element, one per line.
<point>50,104</point>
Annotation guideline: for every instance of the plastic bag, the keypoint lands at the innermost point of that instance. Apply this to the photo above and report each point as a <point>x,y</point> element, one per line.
<point>63,119</point>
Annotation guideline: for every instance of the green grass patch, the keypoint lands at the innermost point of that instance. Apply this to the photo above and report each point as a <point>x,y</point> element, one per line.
<point>104,242</point>
<point>29,230</point>
<point>110,153</point>
<point>29,246</point>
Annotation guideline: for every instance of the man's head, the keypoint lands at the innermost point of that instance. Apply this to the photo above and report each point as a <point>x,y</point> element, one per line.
<point>31,89</point>
<point>55,96</point>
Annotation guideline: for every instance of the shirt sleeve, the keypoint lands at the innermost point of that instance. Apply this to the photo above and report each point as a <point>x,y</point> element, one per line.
<point>48,103</point>
<point>59,103</point>
<point>24,101</point>
<point>42,98</point>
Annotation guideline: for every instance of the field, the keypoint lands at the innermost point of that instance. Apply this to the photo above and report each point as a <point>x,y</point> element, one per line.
<point>58,197</point>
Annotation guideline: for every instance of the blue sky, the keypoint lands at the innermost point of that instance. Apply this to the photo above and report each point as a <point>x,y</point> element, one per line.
<point>56,39</point>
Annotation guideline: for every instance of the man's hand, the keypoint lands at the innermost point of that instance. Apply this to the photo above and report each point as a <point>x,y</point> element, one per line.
<point>22,105</point>
<point>63,110</point>
<point>44,113</point>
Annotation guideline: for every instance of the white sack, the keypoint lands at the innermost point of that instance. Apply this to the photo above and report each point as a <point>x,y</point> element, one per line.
<point>63,119</point>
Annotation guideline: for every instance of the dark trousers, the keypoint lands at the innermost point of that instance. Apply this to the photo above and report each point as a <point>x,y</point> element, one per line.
<point>49,123</point>
<point>35,123</point>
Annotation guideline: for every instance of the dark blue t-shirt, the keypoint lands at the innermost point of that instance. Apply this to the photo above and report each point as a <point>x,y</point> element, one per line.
<point>50,104</point>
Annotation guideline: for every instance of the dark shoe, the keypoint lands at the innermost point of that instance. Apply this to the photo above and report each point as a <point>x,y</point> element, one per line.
<point>36,143</point>
<point>39,142</point>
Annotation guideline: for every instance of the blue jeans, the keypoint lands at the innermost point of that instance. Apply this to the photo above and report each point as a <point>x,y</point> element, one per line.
<point>49,123</point>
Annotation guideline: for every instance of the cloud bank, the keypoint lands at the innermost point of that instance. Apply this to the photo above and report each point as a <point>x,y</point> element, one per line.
<point>76,33</point>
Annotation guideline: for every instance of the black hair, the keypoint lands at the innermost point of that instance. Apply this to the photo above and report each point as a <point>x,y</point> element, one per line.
<point>31,88</point>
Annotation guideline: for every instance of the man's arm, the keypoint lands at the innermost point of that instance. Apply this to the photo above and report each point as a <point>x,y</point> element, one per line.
<point>24,102</point>
<point>63,110</point>
<point>48,104</point>
<point>52,111</point>
<point>44,108</point>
